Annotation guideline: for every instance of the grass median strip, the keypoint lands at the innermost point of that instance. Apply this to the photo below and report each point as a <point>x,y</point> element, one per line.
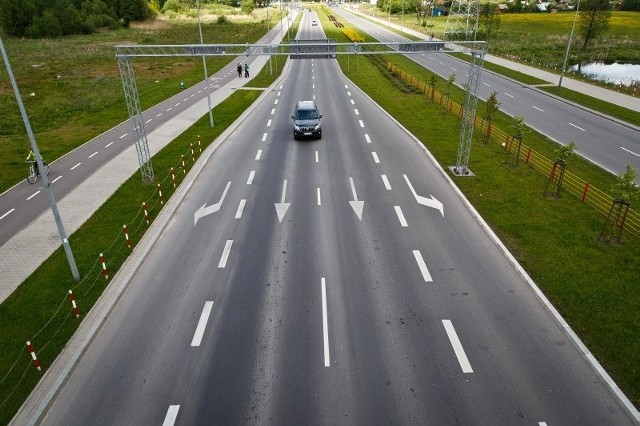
<point>594,286</point>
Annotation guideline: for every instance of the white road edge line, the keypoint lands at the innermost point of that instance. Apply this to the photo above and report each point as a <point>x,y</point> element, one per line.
<point>387,185</point>
<point>240,208</point>
<point>225,254</point>
<point>7,214</point>
<point>401,218</point>
<point>251,175</point>
<point>423,266</point>
<point>325,326</point>
<point>33,195</point>
<point>172,414</point>
<point>202,324</point>
<point>457,347</point>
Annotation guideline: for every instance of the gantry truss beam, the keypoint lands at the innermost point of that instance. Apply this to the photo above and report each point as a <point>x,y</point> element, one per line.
<point>298,49</point>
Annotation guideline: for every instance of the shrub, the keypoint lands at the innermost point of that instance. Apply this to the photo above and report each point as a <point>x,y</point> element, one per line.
<point>352,35</point>
<point>222,20</point>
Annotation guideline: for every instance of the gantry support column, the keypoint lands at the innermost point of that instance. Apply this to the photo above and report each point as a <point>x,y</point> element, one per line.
<point>133,105</point>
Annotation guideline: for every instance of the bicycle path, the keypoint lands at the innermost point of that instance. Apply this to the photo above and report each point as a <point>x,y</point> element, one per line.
<point>21,255</point>
<point>597,92</point>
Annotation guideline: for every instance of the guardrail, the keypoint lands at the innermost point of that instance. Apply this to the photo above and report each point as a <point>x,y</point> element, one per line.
<point>573,184</point>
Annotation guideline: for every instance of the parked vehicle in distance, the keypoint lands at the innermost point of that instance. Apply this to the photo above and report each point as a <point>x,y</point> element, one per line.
<point>314,22</point>
<point>306,120</point>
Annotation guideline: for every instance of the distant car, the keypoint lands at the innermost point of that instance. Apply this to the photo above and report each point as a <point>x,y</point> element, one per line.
<point>314,22</point>
<point>306,120</point>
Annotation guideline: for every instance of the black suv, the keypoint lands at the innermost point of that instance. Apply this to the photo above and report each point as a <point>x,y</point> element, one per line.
<point>306,120</point>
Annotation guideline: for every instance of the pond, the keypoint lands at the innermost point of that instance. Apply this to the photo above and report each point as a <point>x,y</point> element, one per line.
<point>625,74</point>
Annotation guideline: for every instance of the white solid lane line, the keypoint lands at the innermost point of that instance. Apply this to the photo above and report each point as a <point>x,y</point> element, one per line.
<point>577,127</point>
<point>123,135</point>
<point>264,137</point>
<point>457,347</point>
<point>258,154</point>
<point>375,157</point>
<point>240,208</point>
<point>361,123</point>
<point>319,201</point>
<point>33,195</point>
<point>387,185</point>
<point>93,155</point>
<point>202,324</point>
<point>539,109</point>
<point>325,326</point>
<point>7,214</point>
<point>172,414</point>
<point>75,166</point>
<point>56,179</point>
<point>225,254</point>
<point>403,221</point>
<point>423,266</point>
<point>367,138</point>
<point>108,145</point>
<point>251,175</point>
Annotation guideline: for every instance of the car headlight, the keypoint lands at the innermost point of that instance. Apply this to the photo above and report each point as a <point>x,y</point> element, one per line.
<point>295,127</point>
<point>317,127</point>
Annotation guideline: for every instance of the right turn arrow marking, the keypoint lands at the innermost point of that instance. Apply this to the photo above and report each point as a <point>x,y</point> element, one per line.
<point>429,202</point>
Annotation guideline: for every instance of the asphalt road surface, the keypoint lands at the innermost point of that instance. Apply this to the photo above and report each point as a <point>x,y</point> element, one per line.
<point>320,283</point>
<point>607,143</point>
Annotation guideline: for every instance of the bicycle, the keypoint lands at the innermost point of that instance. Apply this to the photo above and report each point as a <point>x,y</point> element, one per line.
<point>34,172</point>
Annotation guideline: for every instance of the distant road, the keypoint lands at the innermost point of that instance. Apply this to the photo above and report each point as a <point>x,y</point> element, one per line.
<point>602,141</point>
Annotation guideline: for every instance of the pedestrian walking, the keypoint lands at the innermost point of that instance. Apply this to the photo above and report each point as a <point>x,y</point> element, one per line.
<point>246,70</point>
<point>239,69</point>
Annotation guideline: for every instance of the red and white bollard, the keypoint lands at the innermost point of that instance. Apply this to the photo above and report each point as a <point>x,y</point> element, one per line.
<point>73,303</point>
<point>160,195</point>
<point>146,215</point>
<point>126,235</point>
<point>199,145</point>
<point>193,156</point>
<point>105,272</point>
<point>36,362</point>
<point>173,177</point>
<point>184,171</point>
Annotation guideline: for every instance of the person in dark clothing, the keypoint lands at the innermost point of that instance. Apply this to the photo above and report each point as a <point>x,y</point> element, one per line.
<point>246,70</point>
<point>239,69</point>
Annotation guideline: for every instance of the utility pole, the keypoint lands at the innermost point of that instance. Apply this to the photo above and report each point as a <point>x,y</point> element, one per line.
<point>566,54</point>
<point>45,178</point>
<point>204,64</point>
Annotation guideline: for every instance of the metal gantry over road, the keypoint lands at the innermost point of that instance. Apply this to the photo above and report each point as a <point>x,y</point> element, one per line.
<point>299,49</point>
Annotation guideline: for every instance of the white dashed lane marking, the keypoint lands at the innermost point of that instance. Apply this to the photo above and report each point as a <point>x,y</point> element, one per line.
<point>225,254</point>
<point>258,154</point>
<point>539,109</point>
<point>7,214</point>
<point>33,195</point>
<point>74,167</point>
<point>577,127</point>
<point>361,123</point>
<point>56,179</point>
<point>251,175</point>
<point>93,155</point>
<point>123,135</point>
<point>375,157</point>
<point>264,137</point>
<point>240,208</point>
<point>367,138</point>
<point>172,414</point>
<point>202,324</point>
<point>108,145</point>
<point>387,185</point>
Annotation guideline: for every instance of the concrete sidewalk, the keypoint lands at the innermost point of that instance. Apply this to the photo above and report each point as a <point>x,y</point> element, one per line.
<point>28,249</point>
<point>597,92</point>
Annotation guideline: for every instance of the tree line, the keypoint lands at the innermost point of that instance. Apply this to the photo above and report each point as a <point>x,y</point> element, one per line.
<point>54,18</point>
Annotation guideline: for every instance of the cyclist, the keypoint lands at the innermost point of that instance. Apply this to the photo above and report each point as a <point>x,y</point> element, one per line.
<point>34,162</point>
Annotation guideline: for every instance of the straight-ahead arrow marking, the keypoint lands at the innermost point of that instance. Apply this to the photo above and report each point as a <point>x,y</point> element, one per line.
<point>282,207</point>
<point>357,206</point>
<point>429,202</point>
<point>205,211</point>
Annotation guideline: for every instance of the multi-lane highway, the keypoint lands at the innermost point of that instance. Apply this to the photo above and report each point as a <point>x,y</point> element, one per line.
<point>610,144</point>
<point>335,281</point>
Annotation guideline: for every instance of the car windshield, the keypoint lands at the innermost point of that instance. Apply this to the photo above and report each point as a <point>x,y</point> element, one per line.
<point>307,114</point>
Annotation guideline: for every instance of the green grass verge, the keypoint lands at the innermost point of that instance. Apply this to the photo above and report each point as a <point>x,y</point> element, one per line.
<point>595,104</point>
<point>594,286</point>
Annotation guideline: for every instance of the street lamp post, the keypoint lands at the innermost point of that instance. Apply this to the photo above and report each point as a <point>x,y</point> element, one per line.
<point>45,178</point>
<point>204,64</point>
<point>402,19</point>
<point>566,55</point>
